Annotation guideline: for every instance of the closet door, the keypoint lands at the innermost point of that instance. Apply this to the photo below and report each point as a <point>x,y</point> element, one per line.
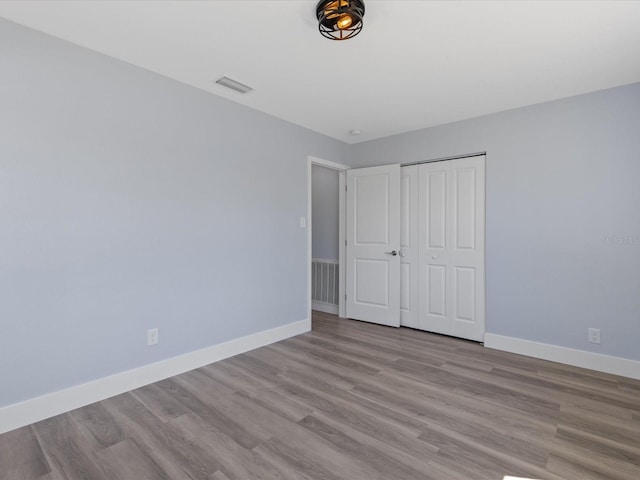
<point>451,256</point>
<point>467,299</point>
<point>409,246</point>
<point>434,259</point>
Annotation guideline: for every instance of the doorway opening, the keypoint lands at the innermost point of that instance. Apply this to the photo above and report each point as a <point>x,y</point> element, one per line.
<point>326,236</point>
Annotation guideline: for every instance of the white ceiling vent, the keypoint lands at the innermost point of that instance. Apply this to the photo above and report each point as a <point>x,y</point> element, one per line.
<point>233,85</point>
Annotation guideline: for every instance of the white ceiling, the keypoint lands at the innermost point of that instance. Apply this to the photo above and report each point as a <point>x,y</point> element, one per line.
<point>416,63</point>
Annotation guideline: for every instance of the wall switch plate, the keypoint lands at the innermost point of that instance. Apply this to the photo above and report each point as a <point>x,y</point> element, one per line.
<point>594,335</point>
<point>303,222</point>
<point>152,336</point>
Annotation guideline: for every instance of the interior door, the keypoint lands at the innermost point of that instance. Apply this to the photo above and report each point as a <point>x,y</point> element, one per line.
<point>373,244</point>
<point>451,258</point>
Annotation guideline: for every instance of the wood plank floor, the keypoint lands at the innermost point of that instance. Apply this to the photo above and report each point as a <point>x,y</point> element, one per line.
<point>349,400</point>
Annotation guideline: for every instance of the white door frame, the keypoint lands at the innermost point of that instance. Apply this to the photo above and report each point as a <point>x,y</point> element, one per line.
<point>342,169</point>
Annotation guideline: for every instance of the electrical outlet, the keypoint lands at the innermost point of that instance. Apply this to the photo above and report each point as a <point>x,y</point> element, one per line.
<point>152,336</point>
<point>594,335</point>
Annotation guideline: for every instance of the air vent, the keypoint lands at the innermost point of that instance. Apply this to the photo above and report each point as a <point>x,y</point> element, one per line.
<point>233,85</point>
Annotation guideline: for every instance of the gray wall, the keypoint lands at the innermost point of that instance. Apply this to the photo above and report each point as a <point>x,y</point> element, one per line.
<point>130,201</point>
<point>563,214</point>
<point>325,212</point>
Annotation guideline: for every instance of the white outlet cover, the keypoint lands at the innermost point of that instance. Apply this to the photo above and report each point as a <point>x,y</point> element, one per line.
<point>303,222</point>
<point>152,336</point>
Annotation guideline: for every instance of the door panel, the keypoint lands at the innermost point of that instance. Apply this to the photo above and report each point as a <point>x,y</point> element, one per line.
<point>433,255</point>
<point>451,256</point>
<point>373,232</point>
<point>371,210</point>
<point>405,289</point>
<point>464,290</point>
<point>464,198</point>
<point>437,290</point>
<point>467,250</point>
<point>406,209</point>
<point>436,206</point>
<point>409,247</point>
<point>372,282</point>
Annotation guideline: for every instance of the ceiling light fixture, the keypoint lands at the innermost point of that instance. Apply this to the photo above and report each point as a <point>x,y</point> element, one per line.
<point>340,19</point>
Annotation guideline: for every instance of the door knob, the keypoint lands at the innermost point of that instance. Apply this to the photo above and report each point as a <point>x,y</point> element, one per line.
<point>393,253</point>
<point>434,256</point>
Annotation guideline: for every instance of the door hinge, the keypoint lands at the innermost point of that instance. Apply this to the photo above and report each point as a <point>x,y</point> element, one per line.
<point>345,243</point>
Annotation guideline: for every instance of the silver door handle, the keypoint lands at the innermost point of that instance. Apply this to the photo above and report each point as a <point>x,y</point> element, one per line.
<point>393,253</point>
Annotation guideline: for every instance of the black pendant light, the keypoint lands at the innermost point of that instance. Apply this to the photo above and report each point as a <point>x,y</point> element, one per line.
<point>340,19</point>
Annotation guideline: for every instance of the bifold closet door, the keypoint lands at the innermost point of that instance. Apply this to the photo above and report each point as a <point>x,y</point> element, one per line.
<point>451,248</point>
<point>415,246</point>
<point>373,244</point>
<point>409,246</point>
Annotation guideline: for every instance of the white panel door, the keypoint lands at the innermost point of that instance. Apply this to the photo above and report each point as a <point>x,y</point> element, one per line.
<point>373,244</point>
<point>467,299</point>
<point>451,256</point>
<point>409,246</point>
<point>434,259</point>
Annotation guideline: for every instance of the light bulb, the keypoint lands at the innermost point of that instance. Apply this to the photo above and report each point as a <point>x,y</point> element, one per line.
<point>344,21</point>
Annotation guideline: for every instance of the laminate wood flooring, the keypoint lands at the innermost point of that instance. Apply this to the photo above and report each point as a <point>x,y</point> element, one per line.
<point>349,400</point>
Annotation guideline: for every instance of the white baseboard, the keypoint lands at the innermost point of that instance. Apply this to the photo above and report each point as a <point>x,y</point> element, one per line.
<point>46,406</point>
<point>570,356</point>
<point>324,307</point>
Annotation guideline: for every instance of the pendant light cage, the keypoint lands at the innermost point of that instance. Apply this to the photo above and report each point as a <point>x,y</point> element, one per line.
<point>340,19</point>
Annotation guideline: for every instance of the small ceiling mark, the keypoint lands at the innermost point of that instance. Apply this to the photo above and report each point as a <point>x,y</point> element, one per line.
<point>233,85</point>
